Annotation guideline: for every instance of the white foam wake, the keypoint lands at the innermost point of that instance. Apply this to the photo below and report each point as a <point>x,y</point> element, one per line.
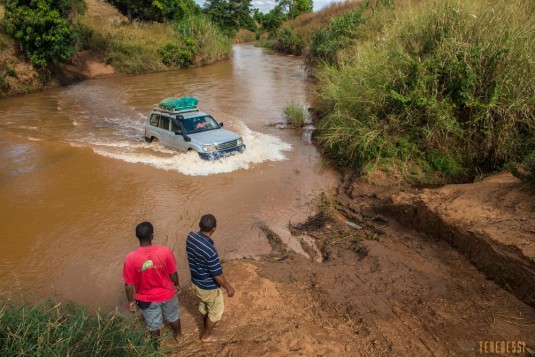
<point>260,148</point>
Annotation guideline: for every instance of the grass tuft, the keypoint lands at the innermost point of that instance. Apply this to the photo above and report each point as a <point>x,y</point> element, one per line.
<point>56,329</point>
<point>295,114</point>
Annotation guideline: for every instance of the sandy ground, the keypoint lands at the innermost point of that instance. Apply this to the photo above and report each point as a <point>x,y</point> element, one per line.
<point>383,289</point>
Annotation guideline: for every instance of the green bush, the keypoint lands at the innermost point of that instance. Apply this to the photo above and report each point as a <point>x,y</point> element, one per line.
<point>295,114</point>
<point>55,329</point>
<point>453,84</point>
<point>43,29</point>
<point>327,41</point>
<point>211,43</point>
<point>178,54</point>
<point>289,42</point>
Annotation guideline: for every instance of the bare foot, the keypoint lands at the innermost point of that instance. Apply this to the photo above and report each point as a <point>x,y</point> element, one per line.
<point>178,338</point>
<point>210,338</point>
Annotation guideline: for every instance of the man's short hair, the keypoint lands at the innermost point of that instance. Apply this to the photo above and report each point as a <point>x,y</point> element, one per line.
<point>144,231</point>
<point>207,223</point>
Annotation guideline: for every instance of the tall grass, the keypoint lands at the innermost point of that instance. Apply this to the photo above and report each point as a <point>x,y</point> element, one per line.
<point>55,329</point>
<point>303,26</point>
<point>145,47</point>
<point>244,36</point>
<point>449,86</point>
<point>212,44</point>
<point>129,48</point>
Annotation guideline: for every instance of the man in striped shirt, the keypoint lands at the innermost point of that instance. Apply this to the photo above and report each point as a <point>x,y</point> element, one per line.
<point>207,275</point>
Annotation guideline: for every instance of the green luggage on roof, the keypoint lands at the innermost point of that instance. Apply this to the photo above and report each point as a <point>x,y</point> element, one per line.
<point>177,104</point>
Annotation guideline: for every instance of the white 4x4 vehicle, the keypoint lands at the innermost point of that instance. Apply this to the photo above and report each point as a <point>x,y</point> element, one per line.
<point>178,124</point>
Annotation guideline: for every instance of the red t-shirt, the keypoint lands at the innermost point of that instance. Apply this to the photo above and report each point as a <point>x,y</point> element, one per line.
<point>148,268</point>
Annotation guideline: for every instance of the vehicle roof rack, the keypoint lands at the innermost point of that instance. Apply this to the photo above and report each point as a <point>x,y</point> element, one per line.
<point>177,105</point>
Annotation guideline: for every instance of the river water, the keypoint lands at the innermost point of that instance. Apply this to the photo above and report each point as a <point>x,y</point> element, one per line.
<point>76,176</point>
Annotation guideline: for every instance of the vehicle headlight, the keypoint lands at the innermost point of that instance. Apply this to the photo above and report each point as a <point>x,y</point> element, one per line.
<point>239,142</point>
<point>208,148</point>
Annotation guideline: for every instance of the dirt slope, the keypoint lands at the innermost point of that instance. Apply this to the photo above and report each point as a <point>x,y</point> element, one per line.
<point>383,289</point>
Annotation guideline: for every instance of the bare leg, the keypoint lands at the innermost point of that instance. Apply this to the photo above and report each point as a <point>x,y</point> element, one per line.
<point>177,329</point>
<point>155,338</point>
<point>207,335</point>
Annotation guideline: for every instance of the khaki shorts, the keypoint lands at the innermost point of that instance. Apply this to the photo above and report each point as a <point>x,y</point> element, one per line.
<point>211,303</point>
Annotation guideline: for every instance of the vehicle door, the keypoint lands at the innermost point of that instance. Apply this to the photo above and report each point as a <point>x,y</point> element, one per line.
<point>164,130</point>
<point>152,129</point>
<point>176,137</point>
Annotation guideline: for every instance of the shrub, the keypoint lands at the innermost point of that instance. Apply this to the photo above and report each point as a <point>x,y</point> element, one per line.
<point>289,42</point>
<point>212,44</point>
<point>295,114</point>
<point>326,42</point>
<point>178,54</point>
<point>42,28</point>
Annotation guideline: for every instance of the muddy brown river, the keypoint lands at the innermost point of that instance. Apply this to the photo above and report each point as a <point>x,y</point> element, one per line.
<point>76,175</point>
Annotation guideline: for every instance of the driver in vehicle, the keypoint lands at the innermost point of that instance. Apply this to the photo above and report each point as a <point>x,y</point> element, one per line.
<point>202,124</point>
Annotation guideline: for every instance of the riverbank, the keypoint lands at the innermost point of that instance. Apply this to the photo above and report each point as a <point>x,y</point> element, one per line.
<point>107,43</point>
<point>384,288</point>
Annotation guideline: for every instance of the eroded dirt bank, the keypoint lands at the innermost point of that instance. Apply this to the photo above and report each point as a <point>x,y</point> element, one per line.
<point>377,288</point>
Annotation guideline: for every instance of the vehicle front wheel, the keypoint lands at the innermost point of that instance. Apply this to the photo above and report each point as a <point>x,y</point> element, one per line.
<point>147,139</point>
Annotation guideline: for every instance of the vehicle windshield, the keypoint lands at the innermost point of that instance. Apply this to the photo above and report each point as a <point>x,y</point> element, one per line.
<point>198,124</point>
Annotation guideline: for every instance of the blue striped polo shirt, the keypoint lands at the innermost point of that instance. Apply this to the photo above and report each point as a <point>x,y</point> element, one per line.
<point>203,261</point>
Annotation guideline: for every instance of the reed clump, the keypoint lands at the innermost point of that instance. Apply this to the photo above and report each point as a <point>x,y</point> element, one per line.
<point>57,329</point>
<point>296,114</point>
<point>448,87</point>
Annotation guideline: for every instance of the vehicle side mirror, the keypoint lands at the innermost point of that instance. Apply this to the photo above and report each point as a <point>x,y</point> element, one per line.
<point>221,124</point>
<point>187,138</point>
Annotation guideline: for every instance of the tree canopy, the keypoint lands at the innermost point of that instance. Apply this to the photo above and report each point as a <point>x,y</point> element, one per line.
<point>156,10</point>
<point>230,15</point>
<point>43,27</point>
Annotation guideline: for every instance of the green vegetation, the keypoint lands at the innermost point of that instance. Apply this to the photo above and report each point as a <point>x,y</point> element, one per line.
<point>295,114</point>
<point>526,170</point>
<point>230,15</point>
<point>306,24</point>
<point>284,10</point>
<point>447,87</point>
<point>55,329</point>
<point>159,11</point>
<point>212,44</point>
<point>44,29</point>
<point>140,47</point>
<point>243,36</point>
<point>339,34</point>
<point>289,42</point>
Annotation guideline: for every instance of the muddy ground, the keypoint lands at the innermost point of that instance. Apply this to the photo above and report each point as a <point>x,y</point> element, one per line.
<point>375,287</point>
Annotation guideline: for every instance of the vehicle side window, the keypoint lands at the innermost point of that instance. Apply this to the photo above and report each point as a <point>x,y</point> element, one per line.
<point>175,127</point>
<point>154,120</point>
<point>164,123</point>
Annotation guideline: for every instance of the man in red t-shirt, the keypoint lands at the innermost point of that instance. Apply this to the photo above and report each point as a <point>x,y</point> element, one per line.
<point>150,273</point>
